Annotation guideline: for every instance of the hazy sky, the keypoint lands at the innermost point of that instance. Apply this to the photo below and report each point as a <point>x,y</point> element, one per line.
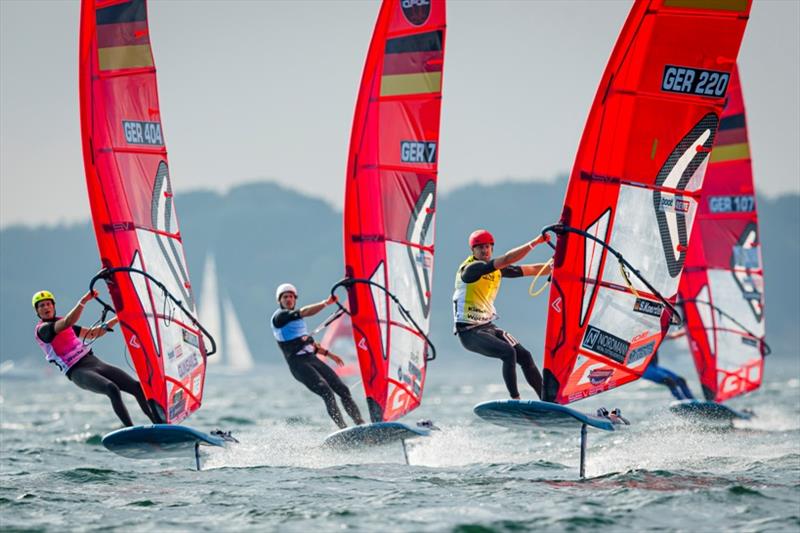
<point>254,90</point>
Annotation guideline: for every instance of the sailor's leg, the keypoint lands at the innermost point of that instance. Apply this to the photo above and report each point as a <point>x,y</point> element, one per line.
<point>87,378</point>
<point>482,340</point>
<point>662,376</point>
<point>304,372</point>
<point>127,384</point>
<point>652,373</point>
<point>529,369</point>
<point>684,387</point>
<point>340,388</point>
<point>677,385</point>
<point>673,388</point>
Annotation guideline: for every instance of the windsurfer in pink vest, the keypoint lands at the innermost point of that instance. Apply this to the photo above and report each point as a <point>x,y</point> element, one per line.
<point>64,344</point>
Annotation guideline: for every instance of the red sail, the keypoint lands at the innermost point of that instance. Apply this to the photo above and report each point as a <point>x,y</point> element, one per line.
<point>390,201</point>
<point>722,287</point>
<point>635,186</point>
<point>131,198</point>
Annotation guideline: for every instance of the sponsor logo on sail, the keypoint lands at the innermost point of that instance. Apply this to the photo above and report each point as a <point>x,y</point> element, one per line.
<point>641,352</point>
<point>600,375</point>
<point>605,343</point>
<point>418,152</point>
<point>648,307</point>
<point>137,132</point>
<point>187,365</point>
<point>191,338</point>
<point>674,204</point>
<point>178,404</point>
<point>416,12</point>
<point>700,82</point>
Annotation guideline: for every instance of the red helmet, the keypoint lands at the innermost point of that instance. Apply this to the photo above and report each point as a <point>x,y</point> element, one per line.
<point>480,236</point>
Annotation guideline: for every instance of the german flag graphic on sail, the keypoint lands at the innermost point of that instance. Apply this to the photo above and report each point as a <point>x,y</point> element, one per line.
<point>123,40</point>
<point>413,65</point>
<point>731,143</point>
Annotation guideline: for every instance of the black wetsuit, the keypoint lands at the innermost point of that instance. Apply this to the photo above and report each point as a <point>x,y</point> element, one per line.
<point>308,369</point>
<point>491,341</point>
<point>92,374</point>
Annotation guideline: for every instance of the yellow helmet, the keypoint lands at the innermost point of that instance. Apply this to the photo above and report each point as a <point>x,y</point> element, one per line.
<point>42,295</point>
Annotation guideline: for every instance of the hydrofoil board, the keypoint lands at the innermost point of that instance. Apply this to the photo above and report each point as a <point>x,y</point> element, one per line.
<point>707,411</point>
<point>376,434</point>
<point>158,440</point>
<point>546,415</point>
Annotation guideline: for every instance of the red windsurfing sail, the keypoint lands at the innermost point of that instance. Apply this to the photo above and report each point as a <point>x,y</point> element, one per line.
<point>634,190</point>
<point>131,198</point>
<point>390,202</point>
<point>722,288</point>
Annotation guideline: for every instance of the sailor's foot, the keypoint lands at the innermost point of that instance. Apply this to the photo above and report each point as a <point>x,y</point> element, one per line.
<point>224,435</point>
<point>427,424</point>
<point>616,417</point>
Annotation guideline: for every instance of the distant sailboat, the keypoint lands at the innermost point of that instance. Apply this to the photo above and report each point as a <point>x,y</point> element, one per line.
<point>235,348</point>
<point>235,353</point>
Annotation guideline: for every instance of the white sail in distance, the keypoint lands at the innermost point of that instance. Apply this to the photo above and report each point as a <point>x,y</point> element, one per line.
<point>222,321</point>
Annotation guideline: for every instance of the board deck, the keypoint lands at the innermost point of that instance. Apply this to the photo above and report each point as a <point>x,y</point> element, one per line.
<point>157,441</point>
<point>528,413</point>
<point>707,411</point>
<point>376,434</point>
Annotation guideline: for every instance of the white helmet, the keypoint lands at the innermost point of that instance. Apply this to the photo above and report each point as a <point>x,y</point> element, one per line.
<point>284,287</point>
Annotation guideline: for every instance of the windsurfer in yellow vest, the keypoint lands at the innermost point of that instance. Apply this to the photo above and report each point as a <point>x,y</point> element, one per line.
<point>67,345</point>
<point>477,282</point>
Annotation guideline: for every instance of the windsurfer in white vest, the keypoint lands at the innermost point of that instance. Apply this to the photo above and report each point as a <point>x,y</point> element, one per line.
<point>477,282</point>
<point>64,344</point>
<point>300,349</point>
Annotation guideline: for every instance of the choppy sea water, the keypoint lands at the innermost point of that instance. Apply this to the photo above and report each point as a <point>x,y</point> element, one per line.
<point>658,474</point>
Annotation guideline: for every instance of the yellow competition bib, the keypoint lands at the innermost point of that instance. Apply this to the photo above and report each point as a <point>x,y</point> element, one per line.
<point>473,303</point>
